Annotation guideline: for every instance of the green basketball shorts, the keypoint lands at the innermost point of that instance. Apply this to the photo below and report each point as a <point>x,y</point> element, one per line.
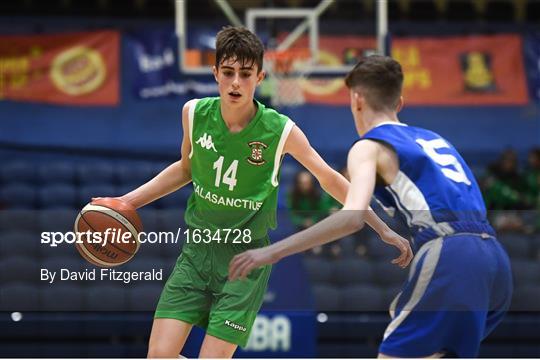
<point>198,291</point>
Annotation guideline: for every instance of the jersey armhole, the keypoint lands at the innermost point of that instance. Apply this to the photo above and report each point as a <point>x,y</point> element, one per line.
<point>279,152</point>
<point>192,104</point>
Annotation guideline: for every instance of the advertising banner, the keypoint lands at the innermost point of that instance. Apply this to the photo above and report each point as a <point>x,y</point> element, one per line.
<point>67,69</point>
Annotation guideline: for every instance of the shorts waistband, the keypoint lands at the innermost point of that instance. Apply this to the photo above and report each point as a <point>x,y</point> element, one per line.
<point>451,228</point>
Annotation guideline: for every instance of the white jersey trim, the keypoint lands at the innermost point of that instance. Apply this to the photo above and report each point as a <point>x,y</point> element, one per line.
<point>410,201</point>
<point>277,159</point>
<point>424,278</point>
<point>390,123</point>
<point>192,104</point>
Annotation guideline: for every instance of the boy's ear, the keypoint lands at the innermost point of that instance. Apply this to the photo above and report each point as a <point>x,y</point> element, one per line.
<point>215,72</point>
<point>400,104</point>
<point>358,101</point>
<point>261,76</point>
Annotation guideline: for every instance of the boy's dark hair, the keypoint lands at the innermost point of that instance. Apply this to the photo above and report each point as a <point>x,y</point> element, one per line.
<point>380,79</point>
<point>239,44</point>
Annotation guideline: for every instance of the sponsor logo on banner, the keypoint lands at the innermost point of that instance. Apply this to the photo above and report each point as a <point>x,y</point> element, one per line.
<point>463,70</point>
<point>78,70</point>
<point>157,71</point>
<point>71,69</point>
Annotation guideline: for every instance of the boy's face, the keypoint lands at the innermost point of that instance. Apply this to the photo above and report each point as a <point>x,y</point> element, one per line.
<point>237,82</point>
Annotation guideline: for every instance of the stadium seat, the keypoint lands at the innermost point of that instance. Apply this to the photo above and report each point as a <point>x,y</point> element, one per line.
<point>353,272</point>
<point>17,172</point>
<point>144,262</point>
<point>147,249</point>
<point>177,199</point>
<point>18,196</point>
<point>96,174</point>
<point>57,220</point>
<point>143,296</point>
<point>56,172</point>
<point>518,246</point>
<point>525,298</point>
<point>134,174</point>
<point>388,274</point>
<point>362,298</point>
<point>87,192</point>
<point>320,271</point>
<point>106,297</point>
<point>56,262</point>
<point>526,272</point>
<point>18,220</point>
<point>19,269</point>
<point>19,297</point>
<point>19,243</point>
<point>327,298</point>
<point>389,294</point>
<point>379,250</point>
<point>348,246</point>
<point>170,220</point>
<point>57,196</point>
<point>149,218</point>
<point>62,296</point>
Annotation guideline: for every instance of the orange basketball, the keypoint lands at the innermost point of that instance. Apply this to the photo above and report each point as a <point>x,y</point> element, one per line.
<point>109,231</point>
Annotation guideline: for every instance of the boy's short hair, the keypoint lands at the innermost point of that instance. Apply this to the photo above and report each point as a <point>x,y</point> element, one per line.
<point>379,79</point>
<point>239,44</point>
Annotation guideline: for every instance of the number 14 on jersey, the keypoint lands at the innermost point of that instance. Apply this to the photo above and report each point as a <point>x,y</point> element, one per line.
<point>229,178</point>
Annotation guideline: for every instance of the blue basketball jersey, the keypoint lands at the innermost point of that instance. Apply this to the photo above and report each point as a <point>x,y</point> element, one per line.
<point>449,301</point>
<point>434,185</point>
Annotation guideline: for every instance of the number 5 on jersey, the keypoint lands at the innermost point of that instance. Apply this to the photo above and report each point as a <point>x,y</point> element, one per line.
<point>229,178</point>
<point>450,166</point>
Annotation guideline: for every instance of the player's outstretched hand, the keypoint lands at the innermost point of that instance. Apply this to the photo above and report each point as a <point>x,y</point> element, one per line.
<point>242,264</point>
<point>406,254</point>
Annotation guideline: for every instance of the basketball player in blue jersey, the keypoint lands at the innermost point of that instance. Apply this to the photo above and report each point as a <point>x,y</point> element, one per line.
<point>460,284</point>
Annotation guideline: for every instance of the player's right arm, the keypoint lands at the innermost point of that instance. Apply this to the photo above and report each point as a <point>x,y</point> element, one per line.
<point>171,178</point>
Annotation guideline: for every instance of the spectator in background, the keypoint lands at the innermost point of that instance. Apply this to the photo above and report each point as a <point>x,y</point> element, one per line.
<point>330,205</point>
<point>532,177</point>
<point>504,186</point>
<point>305,203</point>
<point>532,181</point>
<point>504,189</point>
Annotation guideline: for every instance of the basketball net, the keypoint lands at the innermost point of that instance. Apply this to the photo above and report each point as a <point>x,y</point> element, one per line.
<point>285,72</point>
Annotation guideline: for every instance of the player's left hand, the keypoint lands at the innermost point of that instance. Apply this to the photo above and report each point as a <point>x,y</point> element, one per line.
<point>404,247</point>
<point>242,264</point>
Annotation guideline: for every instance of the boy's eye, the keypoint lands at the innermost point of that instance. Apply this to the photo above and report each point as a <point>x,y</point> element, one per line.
<point>228,73</point>
<point>245,74</point>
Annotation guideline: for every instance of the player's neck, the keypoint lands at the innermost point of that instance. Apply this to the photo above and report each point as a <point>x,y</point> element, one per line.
<point>372,119</point>
<point>238,118</point>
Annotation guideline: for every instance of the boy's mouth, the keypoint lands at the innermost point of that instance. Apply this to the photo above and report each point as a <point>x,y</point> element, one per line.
<point>235,94</point>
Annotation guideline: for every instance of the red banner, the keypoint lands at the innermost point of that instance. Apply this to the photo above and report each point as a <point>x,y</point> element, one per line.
<point>71,69</point>
<point>468,70</point>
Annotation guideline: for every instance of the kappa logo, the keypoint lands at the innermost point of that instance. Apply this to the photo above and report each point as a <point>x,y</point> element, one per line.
<point>206,142</point>
<point>235,326</point>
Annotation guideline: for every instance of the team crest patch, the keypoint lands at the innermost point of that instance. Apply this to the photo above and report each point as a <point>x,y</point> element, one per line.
<point>256,157</point>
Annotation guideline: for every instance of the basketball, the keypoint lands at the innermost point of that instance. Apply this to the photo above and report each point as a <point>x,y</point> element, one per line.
<point>108,230</point>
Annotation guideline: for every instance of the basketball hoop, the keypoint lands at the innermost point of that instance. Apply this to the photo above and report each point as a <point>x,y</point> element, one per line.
<point>285,71</point>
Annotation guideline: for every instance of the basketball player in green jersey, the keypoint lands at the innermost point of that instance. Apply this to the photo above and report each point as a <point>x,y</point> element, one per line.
<point>231,150</point>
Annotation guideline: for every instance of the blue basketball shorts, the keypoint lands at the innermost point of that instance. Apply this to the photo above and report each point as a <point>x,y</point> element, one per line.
<point>459,288</point>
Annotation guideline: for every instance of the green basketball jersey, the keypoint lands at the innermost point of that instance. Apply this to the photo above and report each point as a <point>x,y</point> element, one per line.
<point>235,175</point>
